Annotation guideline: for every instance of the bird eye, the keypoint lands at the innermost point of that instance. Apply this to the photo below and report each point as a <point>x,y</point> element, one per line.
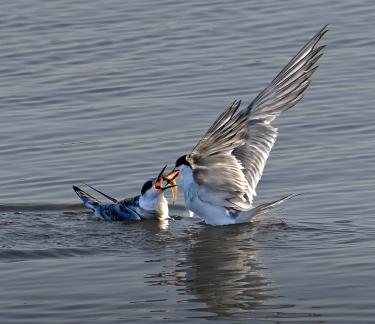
<point>147,185</point>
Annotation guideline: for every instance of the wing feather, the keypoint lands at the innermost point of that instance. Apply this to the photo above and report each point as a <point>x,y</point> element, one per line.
<point>287,88</point>
<point>229,160</point>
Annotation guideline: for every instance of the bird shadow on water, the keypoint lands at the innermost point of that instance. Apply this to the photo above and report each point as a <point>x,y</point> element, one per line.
<point>222,270</point>
<point>216,270</point>
<point>219,268</point>
<point>217,273</point>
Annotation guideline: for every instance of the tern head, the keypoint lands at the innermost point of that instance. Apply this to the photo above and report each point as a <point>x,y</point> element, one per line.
<point>154,189</point>
<point>181,162</point>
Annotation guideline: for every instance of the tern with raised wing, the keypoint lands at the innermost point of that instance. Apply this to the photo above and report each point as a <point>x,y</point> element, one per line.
<point>221,173</point>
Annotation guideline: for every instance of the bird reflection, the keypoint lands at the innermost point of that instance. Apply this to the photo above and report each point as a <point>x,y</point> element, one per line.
<point>218,266</point>
<point>224,271</point>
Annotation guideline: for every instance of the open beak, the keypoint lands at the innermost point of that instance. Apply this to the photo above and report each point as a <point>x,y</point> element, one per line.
<point>159,180</point>
<point>170,184</point>
<point>170,178</point>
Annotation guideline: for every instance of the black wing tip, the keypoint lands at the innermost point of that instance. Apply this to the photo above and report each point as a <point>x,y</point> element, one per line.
<point>315,39</point>
<point>233,107</point>
<point>78,191</point>
<point>236,102</point>
<point>102,193</point>
<point>320,34</point>
<point>83,194</point>
<point>320,48</point>
<point>324,29</point>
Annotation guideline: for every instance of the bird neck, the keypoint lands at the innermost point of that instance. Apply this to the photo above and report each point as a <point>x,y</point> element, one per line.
<point>188,185</point>
<point>153,203</point>
<point>187,175</point>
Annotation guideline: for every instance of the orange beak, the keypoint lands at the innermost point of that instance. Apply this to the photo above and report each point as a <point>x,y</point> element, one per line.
<point>170,178</point>
<point>159,181</point>
<point>170,183</point>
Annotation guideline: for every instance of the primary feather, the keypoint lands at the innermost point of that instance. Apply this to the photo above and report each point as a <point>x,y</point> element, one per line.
<point>227,163</point>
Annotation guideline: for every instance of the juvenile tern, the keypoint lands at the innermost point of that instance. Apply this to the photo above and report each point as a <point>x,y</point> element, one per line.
<point>220,175</point>
<point>150,204</point>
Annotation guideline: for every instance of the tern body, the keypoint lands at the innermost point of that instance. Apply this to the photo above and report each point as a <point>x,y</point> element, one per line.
<point>220,175</point>
<point>136,208</point>
<point>216,214</point>
<point>150,204</point>
<point>212,214</point>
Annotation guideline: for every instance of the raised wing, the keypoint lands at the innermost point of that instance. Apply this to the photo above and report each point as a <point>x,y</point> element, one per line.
<point>253,154</point>
<point>230,158</point>
<point>215,168</point>
<point>288,87</point>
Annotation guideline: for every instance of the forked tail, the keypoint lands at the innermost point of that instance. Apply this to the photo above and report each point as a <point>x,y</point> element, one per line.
<point>262,210</point>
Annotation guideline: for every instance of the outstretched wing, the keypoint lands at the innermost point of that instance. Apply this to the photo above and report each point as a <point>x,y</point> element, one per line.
<point>288,87</point>
<point>229,160</point>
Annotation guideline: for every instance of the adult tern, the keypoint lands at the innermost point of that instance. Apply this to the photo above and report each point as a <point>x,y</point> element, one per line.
<point>221,173</point>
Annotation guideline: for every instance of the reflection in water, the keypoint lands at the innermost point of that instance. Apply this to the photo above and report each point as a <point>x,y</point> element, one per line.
<point>219,268</point>
<point>163,224</point>
<point>223,270</point>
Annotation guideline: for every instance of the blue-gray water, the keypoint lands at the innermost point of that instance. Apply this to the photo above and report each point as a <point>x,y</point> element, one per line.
<point>109,91</point>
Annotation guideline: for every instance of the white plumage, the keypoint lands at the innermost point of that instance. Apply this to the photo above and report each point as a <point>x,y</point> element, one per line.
<point>221,173</point>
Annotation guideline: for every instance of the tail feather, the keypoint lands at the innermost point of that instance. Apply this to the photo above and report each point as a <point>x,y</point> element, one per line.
<point>272,204</point>
<point>88,200</point>
<point>262,210</point>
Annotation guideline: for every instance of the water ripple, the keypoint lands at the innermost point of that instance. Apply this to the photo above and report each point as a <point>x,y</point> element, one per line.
<point>108,92</point>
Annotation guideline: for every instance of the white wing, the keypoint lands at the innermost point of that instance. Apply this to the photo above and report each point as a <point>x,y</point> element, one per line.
<point>229,160</point>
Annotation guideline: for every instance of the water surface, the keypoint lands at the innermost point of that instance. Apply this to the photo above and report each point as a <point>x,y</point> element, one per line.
<point>108,92</point>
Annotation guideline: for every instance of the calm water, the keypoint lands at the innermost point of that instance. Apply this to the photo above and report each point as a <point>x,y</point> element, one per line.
<point>108,91</point>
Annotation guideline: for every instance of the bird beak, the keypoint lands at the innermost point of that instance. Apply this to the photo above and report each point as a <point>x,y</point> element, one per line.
<point>159,180</point>
<point>171,183</point>
<point>170,178</point>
